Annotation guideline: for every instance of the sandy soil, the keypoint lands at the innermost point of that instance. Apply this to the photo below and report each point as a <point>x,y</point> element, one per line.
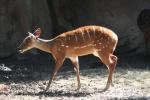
<point>28,78</point>
<point>129,83</point>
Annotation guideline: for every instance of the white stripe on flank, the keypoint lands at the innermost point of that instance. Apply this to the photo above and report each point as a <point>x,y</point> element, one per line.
<point>94,30</point>
<point>82,35</point>
<point>76,38</point>
<point>76,47</point>
<point>88,34</point>
<point>83,46</point>
<point>62,45</point>
<point>68,37</point>
<point>101,29</point>
<point>67,46</point>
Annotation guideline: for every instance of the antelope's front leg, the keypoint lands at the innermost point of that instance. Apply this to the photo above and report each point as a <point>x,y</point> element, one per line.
<point>76,68</point>
<point>58,65</point>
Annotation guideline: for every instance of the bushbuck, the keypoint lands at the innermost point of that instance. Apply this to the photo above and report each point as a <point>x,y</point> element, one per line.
<point>96,40</point>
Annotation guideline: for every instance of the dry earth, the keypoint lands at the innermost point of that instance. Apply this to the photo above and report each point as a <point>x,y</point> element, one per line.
<point>25,82</point>
<point>130,83</point>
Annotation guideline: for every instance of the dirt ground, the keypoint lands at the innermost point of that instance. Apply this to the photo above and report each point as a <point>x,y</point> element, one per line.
<point>26,84</point>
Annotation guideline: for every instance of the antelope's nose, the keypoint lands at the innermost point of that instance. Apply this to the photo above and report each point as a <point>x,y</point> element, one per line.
<point>19,49</point>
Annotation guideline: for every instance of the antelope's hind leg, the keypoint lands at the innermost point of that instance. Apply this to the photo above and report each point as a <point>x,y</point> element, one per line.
<point>110,61</point>
<point>113,65</point>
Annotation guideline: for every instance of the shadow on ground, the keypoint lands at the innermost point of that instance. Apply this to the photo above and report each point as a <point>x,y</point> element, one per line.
<point>59,93</point>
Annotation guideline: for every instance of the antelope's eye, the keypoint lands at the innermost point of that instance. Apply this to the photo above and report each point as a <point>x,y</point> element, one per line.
<point>28,41</point>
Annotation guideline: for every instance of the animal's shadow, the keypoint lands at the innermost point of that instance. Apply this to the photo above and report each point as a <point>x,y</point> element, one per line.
<point>60,93</point>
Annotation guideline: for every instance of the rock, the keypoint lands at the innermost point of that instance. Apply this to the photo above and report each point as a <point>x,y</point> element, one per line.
<point>120,16</point>
<point>143,22</point>
<point>4,68</point>
<point>17,17</point>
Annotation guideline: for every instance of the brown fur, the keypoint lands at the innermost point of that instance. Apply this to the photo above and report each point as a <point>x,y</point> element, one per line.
<point>96,40</point>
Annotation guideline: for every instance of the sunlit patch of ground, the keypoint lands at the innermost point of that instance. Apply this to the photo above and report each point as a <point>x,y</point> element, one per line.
<point>129,83</point>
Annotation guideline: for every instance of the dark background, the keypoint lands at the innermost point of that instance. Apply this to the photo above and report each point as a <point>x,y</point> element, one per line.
<point>125,17</point>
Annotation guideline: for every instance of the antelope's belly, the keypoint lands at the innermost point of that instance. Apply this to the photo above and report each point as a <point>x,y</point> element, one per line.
<point>80,51</point>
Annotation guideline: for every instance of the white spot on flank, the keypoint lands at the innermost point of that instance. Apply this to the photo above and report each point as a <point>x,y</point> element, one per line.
<point>99,50</point>
<point>83,46</point>
<point>62,45</point>
<point>67,46</point>
<point>82,35</point>
<point>76,47</point>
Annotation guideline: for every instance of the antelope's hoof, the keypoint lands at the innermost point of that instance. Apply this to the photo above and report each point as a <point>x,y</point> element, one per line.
<point>112,84</point>
<point>78,88</point>
<point>106,88</point>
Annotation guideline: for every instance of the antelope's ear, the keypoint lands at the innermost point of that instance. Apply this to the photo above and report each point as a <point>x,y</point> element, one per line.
<point>37,32</point>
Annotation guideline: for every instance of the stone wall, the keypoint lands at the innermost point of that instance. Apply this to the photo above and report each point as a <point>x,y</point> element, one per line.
<point>143,21</point>
<point>119,15</point>
<point>17,17</point>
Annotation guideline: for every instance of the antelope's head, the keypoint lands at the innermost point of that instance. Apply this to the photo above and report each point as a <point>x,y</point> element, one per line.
<point>29,42</point>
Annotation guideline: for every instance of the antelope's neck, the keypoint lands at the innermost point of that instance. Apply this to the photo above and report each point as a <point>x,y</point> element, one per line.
<point>44,45</point>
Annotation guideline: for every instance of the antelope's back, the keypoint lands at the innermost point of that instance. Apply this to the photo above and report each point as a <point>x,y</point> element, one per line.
<point>85,35</point>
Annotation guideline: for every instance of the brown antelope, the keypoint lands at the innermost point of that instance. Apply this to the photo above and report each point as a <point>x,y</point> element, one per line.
<point>96,40</point>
